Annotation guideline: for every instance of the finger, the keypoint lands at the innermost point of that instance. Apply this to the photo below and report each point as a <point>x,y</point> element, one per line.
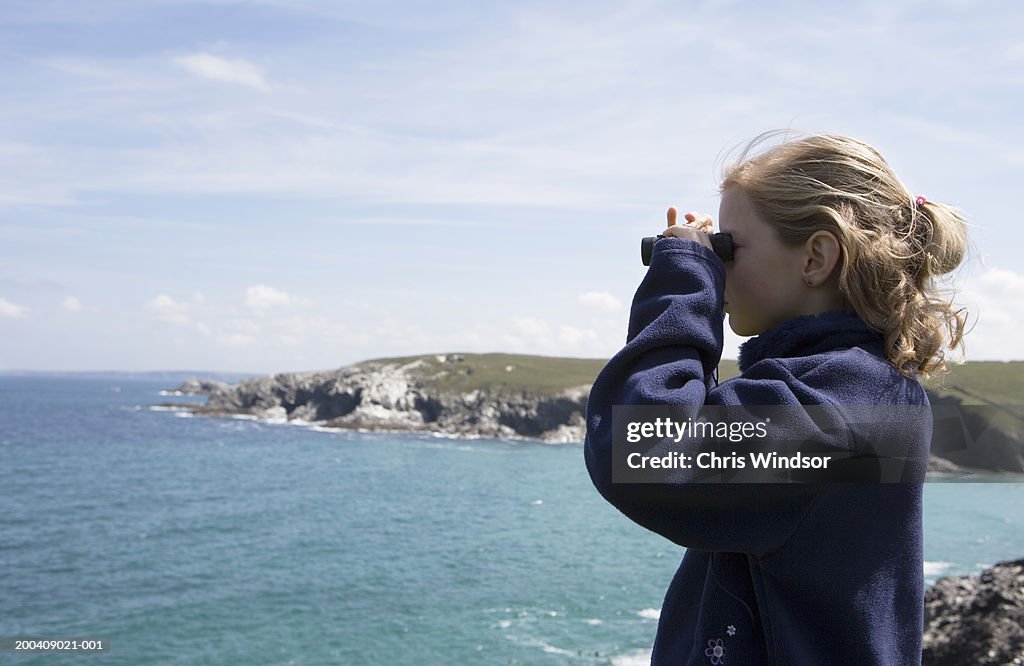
<point>672,212</point>
<point>691,216</point>
<point>680,231</point>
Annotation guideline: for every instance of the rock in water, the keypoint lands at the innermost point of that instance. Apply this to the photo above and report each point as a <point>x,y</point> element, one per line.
<point>976,619</point>
<point>193,386</point>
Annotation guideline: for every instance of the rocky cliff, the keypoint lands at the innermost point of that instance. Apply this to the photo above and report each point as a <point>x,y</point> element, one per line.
<point>976,619</point>
<point>518,396</point>
<point>484,396</point>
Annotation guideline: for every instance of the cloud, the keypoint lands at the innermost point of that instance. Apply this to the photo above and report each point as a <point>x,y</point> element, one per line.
<point>531,327</point>
<point>260,297</point>
<point>12,310</point>
<point>298,327</point>
<point>531,111</point>
<point>575,337</point>
<point>27,282</point>
<point>996,313</point>
<point>527,335</point>
<point>167,310</point>
<point>235,340</point>
<point>207,66</point>
<point>244,326</point>
<point>538,85</point>
<point>600,300</point>
<point>289,340</point>
<point>72,304</point>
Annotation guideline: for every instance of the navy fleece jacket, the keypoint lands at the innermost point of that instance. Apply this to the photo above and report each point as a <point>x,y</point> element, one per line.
<point>773,573</point>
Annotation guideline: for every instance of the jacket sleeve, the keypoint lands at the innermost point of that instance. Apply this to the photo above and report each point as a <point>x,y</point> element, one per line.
<point>673,346</point>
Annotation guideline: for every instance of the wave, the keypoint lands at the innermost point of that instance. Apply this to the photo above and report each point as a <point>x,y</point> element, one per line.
<point>636,658</point>
<point>546,647</point>
<point>936,568</point>
<point>650,614</point>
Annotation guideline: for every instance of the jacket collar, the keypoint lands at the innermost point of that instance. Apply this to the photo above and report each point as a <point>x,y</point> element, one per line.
<point>810,334</point>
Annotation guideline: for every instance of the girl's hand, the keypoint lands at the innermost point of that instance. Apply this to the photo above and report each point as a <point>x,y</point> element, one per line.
<point>697,227</point>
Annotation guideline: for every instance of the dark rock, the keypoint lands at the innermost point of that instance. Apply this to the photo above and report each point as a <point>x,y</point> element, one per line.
<point>976,619</point>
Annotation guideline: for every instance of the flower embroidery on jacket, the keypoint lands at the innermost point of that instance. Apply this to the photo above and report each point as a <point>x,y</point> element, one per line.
<point>731,630</point>
<point>715,652</point>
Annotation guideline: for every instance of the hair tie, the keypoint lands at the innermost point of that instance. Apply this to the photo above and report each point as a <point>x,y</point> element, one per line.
<point>920,201</point>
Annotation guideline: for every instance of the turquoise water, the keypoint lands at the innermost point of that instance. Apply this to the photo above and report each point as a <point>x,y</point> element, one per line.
<point>226,541</point>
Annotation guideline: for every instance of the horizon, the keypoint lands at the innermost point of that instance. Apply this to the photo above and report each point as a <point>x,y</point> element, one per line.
<point>262,186</point>
<point>199,374</point>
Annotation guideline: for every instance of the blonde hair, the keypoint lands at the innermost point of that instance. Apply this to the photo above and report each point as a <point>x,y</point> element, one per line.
<point>894,245</point>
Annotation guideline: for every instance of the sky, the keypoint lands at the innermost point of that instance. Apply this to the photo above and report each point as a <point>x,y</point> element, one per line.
<point>289,185</point>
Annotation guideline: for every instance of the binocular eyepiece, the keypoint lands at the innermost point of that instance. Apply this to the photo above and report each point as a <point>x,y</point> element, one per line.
<point>721,243</point>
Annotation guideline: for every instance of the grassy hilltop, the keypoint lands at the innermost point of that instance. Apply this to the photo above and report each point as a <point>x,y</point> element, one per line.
<point>984,383</point>
<point>518,395</point>
<point>992,383</point>
<point>505,373</point>
<point>997,386</point>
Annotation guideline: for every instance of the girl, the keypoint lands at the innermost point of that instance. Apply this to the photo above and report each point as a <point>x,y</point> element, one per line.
<point>833,272</point>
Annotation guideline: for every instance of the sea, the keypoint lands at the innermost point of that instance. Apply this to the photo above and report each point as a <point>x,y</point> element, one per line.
<point>199,540</point>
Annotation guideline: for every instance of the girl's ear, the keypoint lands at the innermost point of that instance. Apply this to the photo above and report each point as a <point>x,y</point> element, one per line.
<point>821,254</point>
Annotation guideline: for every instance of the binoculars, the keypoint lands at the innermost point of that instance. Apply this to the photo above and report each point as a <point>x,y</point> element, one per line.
<point>721,243</point>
